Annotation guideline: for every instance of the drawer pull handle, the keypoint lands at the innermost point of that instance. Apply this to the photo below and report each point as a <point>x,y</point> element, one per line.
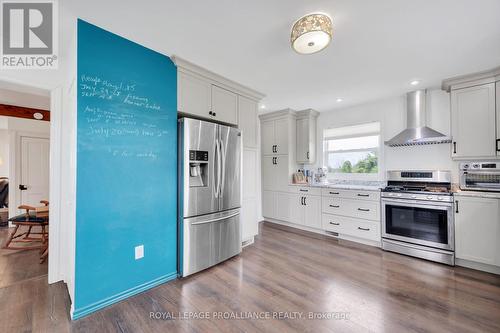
<point>302,190</point>
<point>334,193</point>
<point>364,229</point>
<point>334,206</point>
<point>363,209</point>
<point>363,195</point>
<point>334,223</point>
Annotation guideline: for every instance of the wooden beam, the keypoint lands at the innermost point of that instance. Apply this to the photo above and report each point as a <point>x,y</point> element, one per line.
<point>22,112</point>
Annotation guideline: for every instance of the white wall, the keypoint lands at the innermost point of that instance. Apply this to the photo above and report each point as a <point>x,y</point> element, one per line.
<point>391,113</point>
<point>18,98</point>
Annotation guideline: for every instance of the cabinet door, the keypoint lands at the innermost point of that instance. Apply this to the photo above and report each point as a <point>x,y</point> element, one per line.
<point>477,229</point>
<point>297,208</point>
<point>312,209</point>
<point>269,204</point>
<point>473,121</point>
<point>283,206</point>
<point>303,140</point>
<point>281,175</point>
<point>267,130</point>
<point>224,105</point>
<point>247,114</point>
<point>194,95</point>
<point>269,173</point>
<point>281,135</point>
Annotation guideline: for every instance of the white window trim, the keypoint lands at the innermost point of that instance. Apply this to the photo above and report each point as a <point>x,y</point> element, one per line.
<point>356,176</point>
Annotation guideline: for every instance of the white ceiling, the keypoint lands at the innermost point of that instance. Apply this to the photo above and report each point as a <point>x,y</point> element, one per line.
<point>377,49</point>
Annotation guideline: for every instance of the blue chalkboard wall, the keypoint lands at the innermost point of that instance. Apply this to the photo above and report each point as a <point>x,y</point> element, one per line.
<point>126,169</point>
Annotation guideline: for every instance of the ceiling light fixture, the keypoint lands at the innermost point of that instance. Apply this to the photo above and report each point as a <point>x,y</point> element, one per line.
<point>414,82</point>
<point>262,106</point>
<point>339,100</point>
<point>311,33</point>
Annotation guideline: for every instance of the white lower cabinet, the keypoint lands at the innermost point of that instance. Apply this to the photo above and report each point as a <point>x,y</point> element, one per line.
<point>282,206</point>
<point>477,229</point>
<point>346,212</point>
<point>269,204</point>
<point>296,209</point>
<point>312,211</point>
<point>350,226</point>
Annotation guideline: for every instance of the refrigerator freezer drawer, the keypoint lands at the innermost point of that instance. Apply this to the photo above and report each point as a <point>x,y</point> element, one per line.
<point>209,240</point>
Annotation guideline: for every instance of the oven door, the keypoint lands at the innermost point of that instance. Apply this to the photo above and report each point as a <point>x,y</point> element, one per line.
<point>419,222</point>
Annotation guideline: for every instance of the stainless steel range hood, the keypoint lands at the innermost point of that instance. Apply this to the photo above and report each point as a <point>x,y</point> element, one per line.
<point>417,132</point>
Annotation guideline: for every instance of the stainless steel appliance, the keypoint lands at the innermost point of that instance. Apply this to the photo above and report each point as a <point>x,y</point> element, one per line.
<point>209,194</point>
<point>418,216</point>
<point>480,176</point>
<point>417,132</point>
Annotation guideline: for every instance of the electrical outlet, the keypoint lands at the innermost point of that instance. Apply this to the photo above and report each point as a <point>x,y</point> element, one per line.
<point>139,252</point>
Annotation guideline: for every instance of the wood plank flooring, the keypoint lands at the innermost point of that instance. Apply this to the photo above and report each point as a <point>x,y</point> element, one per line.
<point>284,270</point>
<point>17,266</point>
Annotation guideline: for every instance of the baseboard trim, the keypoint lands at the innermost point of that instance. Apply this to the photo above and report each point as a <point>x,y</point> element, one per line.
<point>82,312</point>
<point>478,266</point>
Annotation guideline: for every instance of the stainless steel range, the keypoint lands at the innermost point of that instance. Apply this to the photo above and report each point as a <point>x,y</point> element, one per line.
<point>418,216</point>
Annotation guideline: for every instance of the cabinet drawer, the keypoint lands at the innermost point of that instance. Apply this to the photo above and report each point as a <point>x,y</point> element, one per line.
<point>368,210</point>
<point>363,229</point>
<point>304,190</point>
<point>351,194</point>
<point>333,223</point>
<point>351,226</point>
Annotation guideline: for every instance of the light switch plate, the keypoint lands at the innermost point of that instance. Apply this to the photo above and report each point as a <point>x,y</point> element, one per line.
<point>139,252</point>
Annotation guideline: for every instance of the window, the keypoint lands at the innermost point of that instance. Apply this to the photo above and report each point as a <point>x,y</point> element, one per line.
<point>352,149</point>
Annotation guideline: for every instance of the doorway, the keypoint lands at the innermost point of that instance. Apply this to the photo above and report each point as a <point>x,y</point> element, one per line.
<point>24,174</point>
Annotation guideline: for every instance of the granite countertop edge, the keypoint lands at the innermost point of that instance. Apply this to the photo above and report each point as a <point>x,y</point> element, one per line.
<point>366,187</point>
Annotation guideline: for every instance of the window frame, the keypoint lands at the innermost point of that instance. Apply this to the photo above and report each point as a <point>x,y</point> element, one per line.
<point>354,176</point>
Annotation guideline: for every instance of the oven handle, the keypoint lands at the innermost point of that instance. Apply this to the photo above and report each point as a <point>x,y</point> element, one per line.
<point>418,203</point>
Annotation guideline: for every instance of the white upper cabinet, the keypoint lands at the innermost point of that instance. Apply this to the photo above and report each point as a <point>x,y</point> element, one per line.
<point>473,122</point>
<point>194,95</point>
<point>247,109</point>
<point>267,134</point>
<point>224,105</point>
<point>475,115</point>
<point>281,136</point>
<point>477,229</point>
<point>206,95</point>
<point>275,136</point>
<point>306,136</point>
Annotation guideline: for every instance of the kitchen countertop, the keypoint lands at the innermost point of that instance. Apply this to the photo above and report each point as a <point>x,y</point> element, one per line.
<point>362,186</point>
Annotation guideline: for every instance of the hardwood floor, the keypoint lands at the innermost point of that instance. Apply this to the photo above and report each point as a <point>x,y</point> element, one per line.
<point>17,266</point>
<point>284,271</point>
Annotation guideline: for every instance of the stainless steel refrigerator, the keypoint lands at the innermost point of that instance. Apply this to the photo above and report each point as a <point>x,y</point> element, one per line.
<point>209,194</point>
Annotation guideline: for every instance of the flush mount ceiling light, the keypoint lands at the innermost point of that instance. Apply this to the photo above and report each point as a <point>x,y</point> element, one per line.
<point>414,82</point>
<point>311,33</point>
<point>339,100</point>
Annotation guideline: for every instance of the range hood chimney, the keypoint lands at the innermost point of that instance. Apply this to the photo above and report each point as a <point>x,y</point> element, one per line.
<point>417,132</point>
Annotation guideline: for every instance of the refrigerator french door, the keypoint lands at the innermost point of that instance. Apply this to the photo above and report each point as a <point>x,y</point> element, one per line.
<point>209,194</point>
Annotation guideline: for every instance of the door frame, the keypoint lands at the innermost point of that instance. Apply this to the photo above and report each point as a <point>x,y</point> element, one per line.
<point>56,269</point>
<point>15,166</point>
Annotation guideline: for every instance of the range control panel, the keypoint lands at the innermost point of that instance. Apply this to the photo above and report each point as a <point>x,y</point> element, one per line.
<point>479,166</point>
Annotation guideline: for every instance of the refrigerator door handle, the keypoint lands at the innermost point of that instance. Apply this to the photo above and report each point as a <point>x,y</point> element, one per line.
<point>217,174</point>
<point>223,176</point>
<point>217,219</point>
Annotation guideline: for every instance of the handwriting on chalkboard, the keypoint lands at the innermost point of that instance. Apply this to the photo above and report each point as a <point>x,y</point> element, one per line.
<point>93,86</point>
<point>114,110</point>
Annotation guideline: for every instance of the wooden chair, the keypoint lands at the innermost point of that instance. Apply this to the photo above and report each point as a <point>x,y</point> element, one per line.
<point>33,217</point>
